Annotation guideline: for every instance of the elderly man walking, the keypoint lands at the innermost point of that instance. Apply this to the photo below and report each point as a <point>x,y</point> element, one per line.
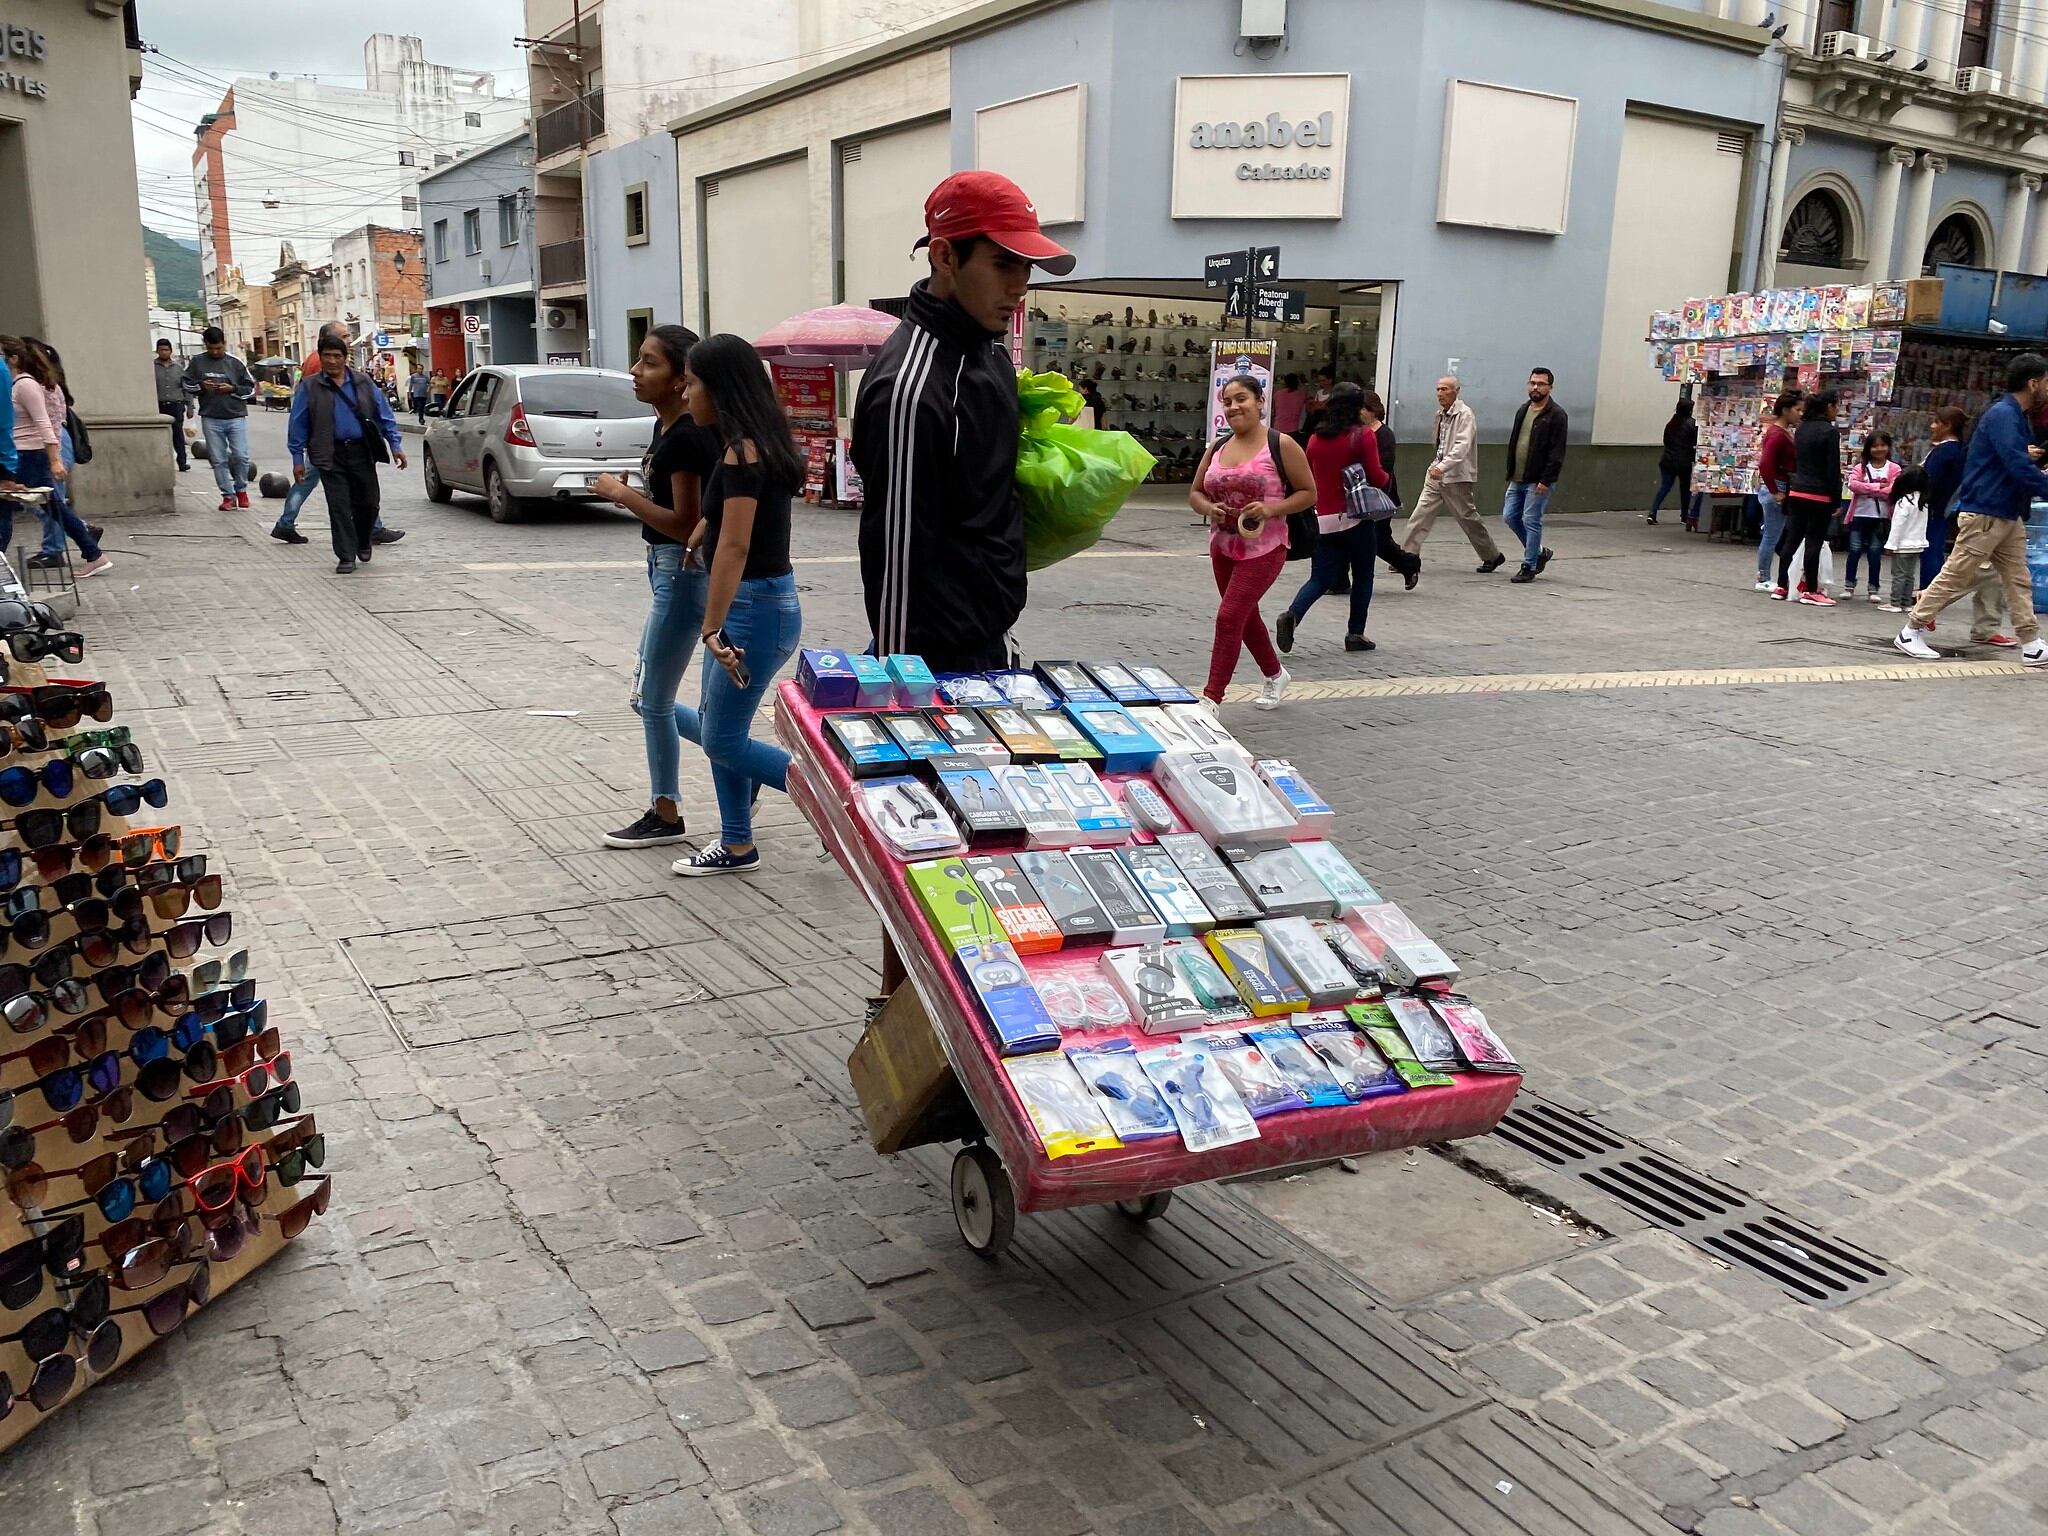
<point>1453,480</point>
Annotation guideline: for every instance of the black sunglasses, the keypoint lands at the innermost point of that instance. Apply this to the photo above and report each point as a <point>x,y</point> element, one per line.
<point>31,645</point>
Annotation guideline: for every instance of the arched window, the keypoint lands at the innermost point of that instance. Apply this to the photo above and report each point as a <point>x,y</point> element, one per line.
<point>1954,240</point>
<point>1817,233</point>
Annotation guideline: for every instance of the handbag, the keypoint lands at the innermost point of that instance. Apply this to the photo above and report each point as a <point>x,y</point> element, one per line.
<point>1363,501</point>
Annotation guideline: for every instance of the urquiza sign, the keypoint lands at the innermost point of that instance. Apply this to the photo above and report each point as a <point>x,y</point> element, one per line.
<point>1260,146</point>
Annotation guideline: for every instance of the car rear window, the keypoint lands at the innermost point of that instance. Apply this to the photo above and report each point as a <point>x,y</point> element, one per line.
<point>588,395</point>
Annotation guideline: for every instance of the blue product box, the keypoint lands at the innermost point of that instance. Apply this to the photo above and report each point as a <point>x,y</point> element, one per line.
<point>1163,687</point>
<point>1069,680</point>
<point>1012,1004</point>
<point>826,678</point>
<point>912,681</point>
<point>873,688</point>
<point>1127,747</point>
<point>868,749</point>
<point>1121,683</point>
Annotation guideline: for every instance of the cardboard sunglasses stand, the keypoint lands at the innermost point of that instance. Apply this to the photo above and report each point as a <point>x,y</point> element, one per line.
<point>55,1151</point>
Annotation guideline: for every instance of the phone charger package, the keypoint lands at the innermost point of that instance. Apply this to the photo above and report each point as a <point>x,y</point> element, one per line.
<point>1126,746</point>
<point>1154,987</point>
<point>1306,1072</point>
<point>1088,800</point>
<point>1482,1049</point>
<point>1223,799</point>
<point>1167,889</point>
<point>1362,1072</point>
<point>1279,881</point>
<point>977,802</point>
<point>1221,891</point>
<point>1132,1105</point>
<point>1312,813</point>
<point>1023,690</point>
<point>867,749</point>
<point>1014,729</point>
<point>906,817</point>
<point>1347,887</point>
<point>1163,687</point>
<point>1410,956</point>
<point>1078,991</point>
<point>911,682</point>
<point>1207,1108</point>
<point>1312,963</point>
<point>1259,1083</point>
<point>1378,1026</point>
<point>1353,955</point>
<point>965,731</point>
<point>968,690</point>
<point>1067,738</point>
<point>825,678</point>
<point>1063,1111</point>
<point>1205,978</point>
<point>1132,920</point>
<point>1014,1011</point>
<point>1066,896</point>
<point>1266,988</point>
<point>1427,1037</point>
<point>1026,922</point>
<point>873,687</point>
<point>953,902</point>
<point>1120,683</point>
<point>915,734</point>
<point>1038,806</point>
<point>1069,682</point>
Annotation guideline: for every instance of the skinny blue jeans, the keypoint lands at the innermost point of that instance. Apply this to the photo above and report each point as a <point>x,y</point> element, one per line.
<point>1774,529</point>
<point>1522,511</point>
<point>1866,537</point>
<point>227,449</point>
<point>58,517</point>
<point>675,620</point>
<point>1337,554</point>
<point>765,622</point>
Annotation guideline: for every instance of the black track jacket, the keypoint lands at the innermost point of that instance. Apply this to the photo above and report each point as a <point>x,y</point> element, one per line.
<point>942,530</point>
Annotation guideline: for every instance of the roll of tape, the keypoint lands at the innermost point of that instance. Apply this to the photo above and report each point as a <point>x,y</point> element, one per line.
<point>1248,526</point>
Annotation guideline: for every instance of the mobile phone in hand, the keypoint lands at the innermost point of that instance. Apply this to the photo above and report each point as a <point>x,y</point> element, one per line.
<point>738,666</point>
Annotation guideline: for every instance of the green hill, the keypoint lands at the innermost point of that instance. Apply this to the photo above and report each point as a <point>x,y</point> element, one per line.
<point>177,267</point>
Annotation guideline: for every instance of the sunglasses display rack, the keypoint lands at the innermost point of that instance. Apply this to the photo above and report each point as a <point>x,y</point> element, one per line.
<point>1143,959</point>
<point>153,1144</point>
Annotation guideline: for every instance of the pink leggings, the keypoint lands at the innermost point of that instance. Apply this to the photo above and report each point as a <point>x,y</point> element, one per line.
<point>1242,583</point>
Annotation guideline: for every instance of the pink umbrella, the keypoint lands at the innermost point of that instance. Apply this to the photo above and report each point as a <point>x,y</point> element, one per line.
<point>839,333</point>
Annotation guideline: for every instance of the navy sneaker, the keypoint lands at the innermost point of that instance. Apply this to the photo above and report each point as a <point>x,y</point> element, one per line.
<point>652,830</point>
<point>718,860</point>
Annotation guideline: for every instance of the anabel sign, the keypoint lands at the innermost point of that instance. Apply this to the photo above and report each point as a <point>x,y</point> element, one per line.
<point>1273,132</point>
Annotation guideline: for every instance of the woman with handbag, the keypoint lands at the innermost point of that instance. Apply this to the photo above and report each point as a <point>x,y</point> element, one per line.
<point>1373,417</point>
<point>1246,488</point>
<point>1351,490</point>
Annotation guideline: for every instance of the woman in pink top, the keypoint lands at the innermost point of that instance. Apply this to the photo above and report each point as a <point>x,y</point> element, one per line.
<point>36,444</point>
<point>1247,499</point>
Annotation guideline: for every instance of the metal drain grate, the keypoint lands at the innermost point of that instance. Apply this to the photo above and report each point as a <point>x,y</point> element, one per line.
<point>1715,1217</point>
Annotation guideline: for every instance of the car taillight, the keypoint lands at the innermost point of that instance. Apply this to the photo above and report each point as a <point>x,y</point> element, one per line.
<point>517,432</point>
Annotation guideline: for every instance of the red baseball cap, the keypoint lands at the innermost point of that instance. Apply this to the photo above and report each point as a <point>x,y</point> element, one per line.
<point>989,203</point>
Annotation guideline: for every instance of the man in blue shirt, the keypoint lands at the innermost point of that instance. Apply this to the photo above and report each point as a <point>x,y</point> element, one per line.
<point>2000,478</point>
<point>342,425</point>
<point>286,529</point>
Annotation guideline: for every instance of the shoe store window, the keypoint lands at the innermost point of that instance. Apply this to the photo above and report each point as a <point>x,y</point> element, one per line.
<point>1146,346</point>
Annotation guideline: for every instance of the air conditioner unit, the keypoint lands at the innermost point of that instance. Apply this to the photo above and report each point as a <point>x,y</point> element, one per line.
<point>1986,82</point>
<point>486,270</point>
<point>558,319</point>
<point>1845,45</point>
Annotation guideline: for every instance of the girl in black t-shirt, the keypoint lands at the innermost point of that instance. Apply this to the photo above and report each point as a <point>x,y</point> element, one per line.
<point>751,619</point>
<point>674,467</point>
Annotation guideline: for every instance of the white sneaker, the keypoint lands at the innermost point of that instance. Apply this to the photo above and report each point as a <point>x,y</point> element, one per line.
<point>1848,594</point>
<point>1913,642</point>
<point>1208,706</point>
<point>2035,652</point>
<point>1271,690</point>
<point>96,567</point>
<point>1762,586</point>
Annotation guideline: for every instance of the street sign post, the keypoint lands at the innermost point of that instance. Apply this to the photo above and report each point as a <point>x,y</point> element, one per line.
<point>472,325</point>
<point>1265,263</point>
<point>1234,300</point>
<point>382,341</point>
<point>1279,305</point>
<point>1244,276</point>
<point>1225,268</point>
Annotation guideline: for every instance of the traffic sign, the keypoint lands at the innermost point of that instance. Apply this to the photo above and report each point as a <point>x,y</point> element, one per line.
<point>1265,263</point>
<point>472,325</point>
<point>1288,305</point>
<point>382,341</point>
<point>1233,301</point>
<point>1226,267</point>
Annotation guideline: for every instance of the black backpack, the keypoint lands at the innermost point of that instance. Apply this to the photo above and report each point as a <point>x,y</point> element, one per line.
<point>1301,526</point>
<point>81,440</point>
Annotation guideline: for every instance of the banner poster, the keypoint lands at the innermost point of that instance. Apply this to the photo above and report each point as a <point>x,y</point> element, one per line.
<point>1229,357</point>
<point>810,396</point>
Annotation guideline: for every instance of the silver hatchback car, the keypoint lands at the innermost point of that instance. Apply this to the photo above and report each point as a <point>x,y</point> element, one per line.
<point>525,434</point>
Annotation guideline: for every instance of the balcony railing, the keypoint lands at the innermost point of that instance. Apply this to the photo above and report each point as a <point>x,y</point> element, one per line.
<point>561,263</point>
<point>566,126</point>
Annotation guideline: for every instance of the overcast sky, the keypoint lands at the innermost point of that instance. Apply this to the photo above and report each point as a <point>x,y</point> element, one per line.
<point>220,39</point>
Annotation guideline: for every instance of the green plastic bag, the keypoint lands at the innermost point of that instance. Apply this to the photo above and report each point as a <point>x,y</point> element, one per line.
<point>1070,479</point>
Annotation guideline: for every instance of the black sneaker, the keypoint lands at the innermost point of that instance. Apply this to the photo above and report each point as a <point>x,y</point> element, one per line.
<point>1283,631</point>
<point>652,830</point>
<point>1526,573</point>
<point>1358,643</point>
<point>42,562</point>
<point>1412,575</point>
<point>286,535</point>
<point>386,535</point>
<point>1542,560</point>
<point>1493,565</point>
<point>344,567</point>
<point>364,554</point>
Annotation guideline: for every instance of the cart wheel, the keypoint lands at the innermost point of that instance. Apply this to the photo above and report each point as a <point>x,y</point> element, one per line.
<point>983,1204</point>
<point>1146,1207</point>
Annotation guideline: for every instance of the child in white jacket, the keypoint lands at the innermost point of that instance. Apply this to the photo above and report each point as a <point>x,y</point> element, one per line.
<point>1908,536</point>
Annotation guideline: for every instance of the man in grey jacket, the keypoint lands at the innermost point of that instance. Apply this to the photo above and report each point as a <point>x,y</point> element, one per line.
<point>223,387</point>
<point>1453,480</point>
<point>170,399</point>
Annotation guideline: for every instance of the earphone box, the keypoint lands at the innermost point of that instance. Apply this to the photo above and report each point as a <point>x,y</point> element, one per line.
<point>1311,811</point>
<point>953,902</point>
<point>864,746</point>
<point>1163,687</point>
<point>1132,920</point>
<point>915,734</point>
<point>1221,891</point>
<point>1311,962</point>
<point>1264,985</point>
<point>964,690</point>
<point>1167,889</point>
<point>1038,806</point>
<point>1279,881</point>
<point>873,687</point>
<point>976,801</point>
<point>1024,690</point>
<point>1013,728</point>
<point>1095,811</point>
<point>1120,683</point>
<point>826,679</point>
<point>1205,730</point>
<point>1407,954</point>
<point>1161,726</point>
<point>911,681</point>
<point>1025,920</point>
<point>906,817</point>
<point>1067,738</point>
<point>1155,988</point>
<point>1127,747</point>
<point>1015,1010</point>
<point>1070,683</point>
<point>1347,887</point>
<point>966,731</point>
<point>1066,895</point>
<point>1223,799</point>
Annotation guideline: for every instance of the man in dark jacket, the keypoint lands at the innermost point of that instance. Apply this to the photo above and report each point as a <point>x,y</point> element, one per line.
<point>342,425</point>
<point>1535,460</point>
<point>935,436</point>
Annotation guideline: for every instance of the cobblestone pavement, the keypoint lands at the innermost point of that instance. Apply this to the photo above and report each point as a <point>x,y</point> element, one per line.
<point>610,1253</point>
